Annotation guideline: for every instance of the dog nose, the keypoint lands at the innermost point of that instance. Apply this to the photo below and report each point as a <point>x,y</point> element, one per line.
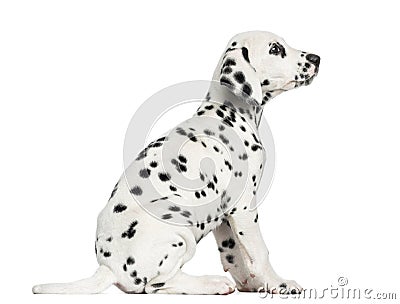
<point>314,59</point>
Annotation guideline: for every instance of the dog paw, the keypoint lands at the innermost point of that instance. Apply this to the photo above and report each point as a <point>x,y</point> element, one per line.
<point>220,285</point>
<point>285,287</point>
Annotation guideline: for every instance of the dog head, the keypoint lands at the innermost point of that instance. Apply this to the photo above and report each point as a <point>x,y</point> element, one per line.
<point>260,65</point>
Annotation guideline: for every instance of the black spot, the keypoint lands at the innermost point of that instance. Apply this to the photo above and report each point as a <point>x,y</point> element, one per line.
<point>227,70</point>
<point>202,226</point>
<point>228,164</point>
<point>226,81</point>
<point>256,218</point>
<point>246,88</point>
<point>155,145</point>
<point>107,254</point>
<point>229,62</point>
<point>133,274</point>
<point>186,213</point>
<point>230,258</point>
<point>130,233</point>
<point>180,244</point>
<point>136,190</point>
<point>209,132</point>
<point>119,208</point>
<point>138,281</point>
<point>164,176</point>
<point>245,53</point>
<point>220,113</point>
<point>243,128</point>
<point>255,147</point>
<point>215,179</point>
<point>166,216</point>
<point>283,285</point>
<point>220,249</point>
<point>157,285</point>
<point>239,77</point>
<point>246,143</point>
<point>160,264</point>
<point>227,122</point>
<point>224,139</point>
<point>204,145</point>
<point>174,208</point>
<point>216,149</point>
<point>197,194</point>
<point>181,168</point>
<point>265,82</point>
<point>199,113</point>
<point>182,158</point>
<point>232,116</point>
<point>124,267</point>
<point>222,107</point>
<point>192,137</point>
<point>241,232</point>
<point>153,164</point>
<point>114,190</point>
<point>209,107</point>
<point>230,243</point>
<point>130,261</point>
<point>109,239</point>
<point>181,131</point>
<point>233,43</point>
<point>142,154</point>
<point>255,138</point>
<point>145,173</point>
<point>172,188</point>
<point>203,193</point>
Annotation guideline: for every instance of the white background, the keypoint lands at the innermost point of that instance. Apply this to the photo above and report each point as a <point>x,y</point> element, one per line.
<point>72,74</point>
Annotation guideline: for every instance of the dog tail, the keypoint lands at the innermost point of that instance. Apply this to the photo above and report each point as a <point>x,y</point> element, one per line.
<point>100,281</point>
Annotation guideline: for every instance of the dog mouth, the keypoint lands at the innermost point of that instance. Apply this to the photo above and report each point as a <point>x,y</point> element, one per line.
<point>305,82</point>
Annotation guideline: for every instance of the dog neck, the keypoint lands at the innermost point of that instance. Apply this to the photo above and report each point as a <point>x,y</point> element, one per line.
<point>221,95</point>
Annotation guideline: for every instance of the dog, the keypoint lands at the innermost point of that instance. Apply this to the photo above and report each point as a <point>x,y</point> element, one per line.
<point>150,226</point>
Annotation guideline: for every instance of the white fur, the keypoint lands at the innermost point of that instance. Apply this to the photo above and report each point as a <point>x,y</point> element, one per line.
<point>140,253</point>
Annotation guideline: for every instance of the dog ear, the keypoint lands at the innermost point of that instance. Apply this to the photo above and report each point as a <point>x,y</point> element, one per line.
<point>239,75</point>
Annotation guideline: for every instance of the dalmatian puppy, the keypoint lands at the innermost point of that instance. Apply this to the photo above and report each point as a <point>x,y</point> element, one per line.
<point>167,200</point>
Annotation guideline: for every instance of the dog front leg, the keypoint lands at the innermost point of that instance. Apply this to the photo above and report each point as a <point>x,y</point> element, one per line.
<point>252,257</point>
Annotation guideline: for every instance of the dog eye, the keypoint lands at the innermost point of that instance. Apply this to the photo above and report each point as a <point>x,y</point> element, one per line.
<point>275,49</point>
